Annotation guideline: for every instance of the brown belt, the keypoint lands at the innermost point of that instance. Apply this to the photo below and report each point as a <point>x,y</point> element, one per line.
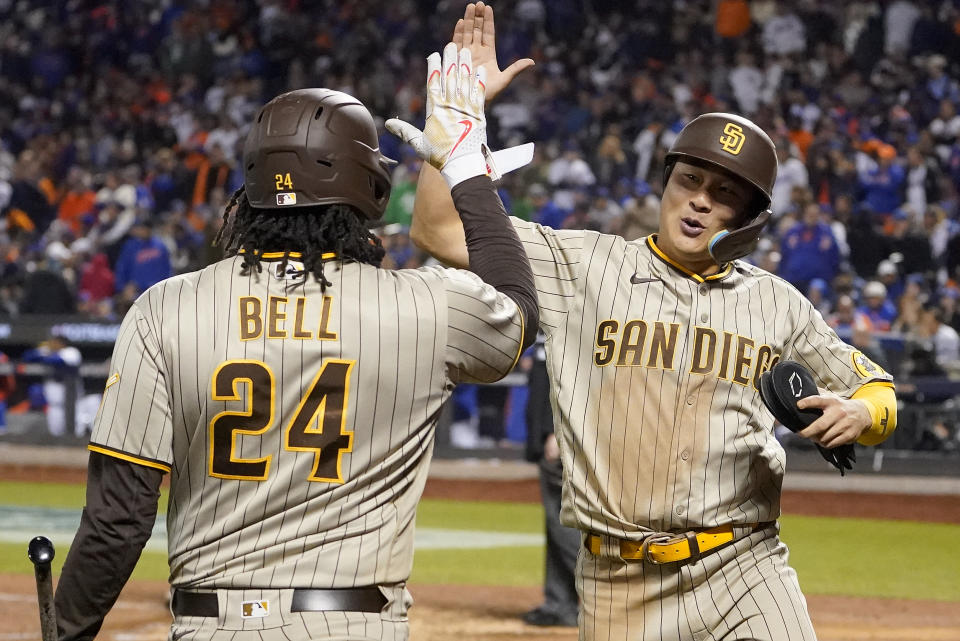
<point>666,547</point>
<point>204,604</point>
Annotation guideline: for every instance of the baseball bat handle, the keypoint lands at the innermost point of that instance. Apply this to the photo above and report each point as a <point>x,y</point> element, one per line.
<point>41,553</point>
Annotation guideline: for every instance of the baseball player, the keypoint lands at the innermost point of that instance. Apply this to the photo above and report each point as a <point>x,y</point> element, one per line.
<point>291,391</point>
<point>654,351</point>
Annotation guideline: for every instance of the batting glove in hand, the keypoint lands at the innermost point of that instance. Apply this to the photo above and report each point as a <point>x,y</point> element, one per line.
<point>454,138</point>
<point>780,388</point>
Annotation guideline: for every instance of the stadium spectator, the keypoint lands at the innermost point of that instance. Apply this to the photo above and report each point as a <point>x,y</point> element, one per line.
<point>899,20</point>
<point>731,23</point>
<point>944,342</point>
<point>889,275</point>
<point>846,317</point>
<point>882,181</point>
<point>46,291</point>
<point>610,163</point>
<point>144,260</point>
<point>818,292</point>
<point>809,250</point>
<point>945,128</point>
<point>938,228</point>
<point>62,385</point>
<point>908,240</point>
<point>784,34</point>
<point>791,175</point>
<point>77,200</point>
<point>746,81</point>
<point>855,327</point>
<point>545,210</point>
<point>568,173</point>
<point>32,194</point>
<point>910,304</point>
<point>923,181</point>
<point>96,284</point>
<point>877,308</point>
<point>950,304</point>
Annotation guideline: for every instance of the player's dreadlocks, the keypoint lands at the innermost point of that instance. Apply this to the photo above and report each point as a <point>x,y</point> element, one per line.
<point>310,231</point>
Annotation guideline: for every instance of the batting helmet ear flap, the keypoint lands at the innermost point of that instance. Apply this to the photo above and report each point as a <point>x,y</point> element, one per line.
<point>728,245</point>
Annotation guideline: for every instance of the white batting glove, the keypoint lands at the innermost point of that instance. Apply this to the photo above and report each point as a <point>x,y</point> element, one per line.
<point>454,138</point>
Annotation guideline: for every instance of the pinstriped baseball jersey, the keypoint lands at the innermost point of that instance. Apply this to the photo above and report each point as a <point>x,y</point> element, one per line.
<point>297,425</point>
<point>655,381</point>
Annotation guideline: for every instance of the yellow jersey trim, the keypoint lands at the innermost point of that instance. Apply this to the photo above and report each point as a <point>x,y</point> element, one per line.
<point>876,384</point>
<point>295,255</point>
<point>129,457</point>
<point>652,244</point>
<point>523,332</point>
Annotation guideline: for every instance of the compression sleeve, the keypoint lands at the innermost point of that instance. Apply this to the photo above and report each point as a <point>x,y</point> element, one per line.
<point>494,249</point>
<point>881,401</point>
<point>115,525</point>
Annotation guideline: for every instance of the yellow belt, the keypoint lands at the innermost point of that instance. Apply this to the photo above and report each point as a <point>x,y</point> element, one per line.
<point>669,548</point>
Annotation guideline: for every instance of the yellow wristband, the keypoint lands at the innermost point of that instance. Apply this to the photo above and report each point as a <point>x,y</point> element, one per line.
<point>881,402</point>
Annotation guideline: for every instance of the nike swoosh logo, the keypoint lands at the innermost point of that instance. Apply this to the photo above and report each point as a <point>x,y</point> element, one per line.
<point>638,280</point>
<point>467,127</point>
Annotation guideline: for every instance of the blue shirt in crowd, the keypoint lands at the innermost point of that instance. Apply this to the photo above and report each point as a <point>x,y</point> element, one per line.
<point>143,262</point>
<point>807,253</point>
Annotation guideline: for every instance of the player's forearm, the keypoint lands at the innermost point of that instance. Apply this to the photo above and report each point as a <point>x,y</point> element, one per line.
<point>436,227</point>
<point>495,252</point>
<point>881,402</point>
<point>116,523</point>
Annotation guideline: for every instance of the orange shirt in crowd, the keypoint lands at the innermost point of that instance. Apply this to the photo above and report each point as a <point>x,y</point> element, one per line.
<point>733,18</point>
<point>73,206</point>
<point>802,139</point>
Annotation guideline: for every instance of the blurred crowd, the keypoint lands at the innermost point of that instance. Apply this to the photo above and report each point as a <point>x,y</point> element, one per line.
<point>122,125</point>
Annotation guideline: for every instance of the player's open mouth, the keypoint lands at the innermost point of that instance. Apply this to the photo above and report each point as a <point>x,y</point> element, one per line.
<point>691,226</point>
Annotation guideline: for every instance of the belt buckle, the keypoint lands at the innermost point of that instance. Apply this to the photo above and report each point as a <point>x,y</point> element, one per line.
<point>659,537</point>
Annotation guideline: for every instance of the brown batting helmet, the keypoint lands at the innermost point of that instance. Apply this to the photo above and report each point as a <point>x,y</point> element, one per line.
<point>742,148</point>
<point>315,147</point>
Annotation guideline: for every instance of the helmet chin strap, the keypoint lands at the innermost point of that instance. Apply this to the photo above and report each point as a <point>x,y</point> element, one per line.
<point>729,245</point>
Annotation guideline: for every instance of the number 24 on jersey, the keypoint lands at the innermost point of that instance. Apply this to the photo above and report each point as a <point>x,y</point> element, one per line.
<point>318,423</point>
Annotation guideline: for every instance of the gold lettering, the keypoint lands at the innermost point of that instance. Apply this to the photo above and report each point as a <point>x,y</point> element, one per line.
<point>741,368</point>
<point>725,354</point>
<point>298,330</point>
<point>276,317</point>
<point>763,356</point>
<point>661,347</point>
<point>630,345</point>
<point>251,324</point>
<point>324,333</point>
<point>704,350</point>
<point>605,342</point>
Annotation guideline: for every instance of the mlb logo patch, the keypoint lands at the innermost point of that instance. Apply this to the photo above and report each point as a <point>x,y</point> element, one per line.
<point>286,199</point>
<point>254,609</point>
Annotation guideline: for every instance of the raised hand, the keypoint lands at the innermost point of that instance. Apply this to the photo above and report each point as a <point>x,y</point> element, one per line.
<point>454,137</point>
<point>476,32</point>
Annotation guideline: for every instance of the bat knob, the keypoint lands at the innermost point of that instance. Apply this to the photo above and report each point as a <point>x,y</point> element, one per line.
<point>40,550</point>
